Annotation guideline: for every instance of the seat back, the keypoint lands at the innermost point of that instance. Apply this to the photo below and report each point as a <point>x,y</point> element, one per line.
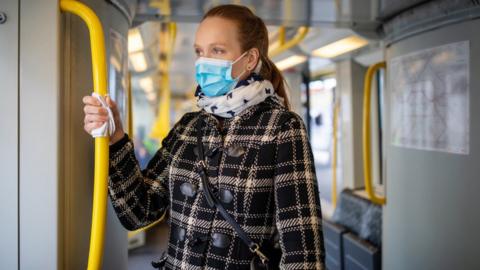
<point>360,216</point>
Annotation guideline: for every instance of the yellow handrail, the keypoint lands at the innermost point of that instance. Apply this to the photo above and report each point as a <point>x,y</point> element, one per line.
<point>130,105</point>
<point>334,156</point>
<point>99,70</point>
<point>161,125</point>
<point>366,134</point>
<point>280,35</point>
<point>301,34</point>
<point>133,233</point>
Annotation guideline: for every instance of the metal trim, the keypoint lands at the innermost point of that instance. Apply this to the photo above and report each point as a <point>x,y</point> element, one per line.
<point>431,23</point>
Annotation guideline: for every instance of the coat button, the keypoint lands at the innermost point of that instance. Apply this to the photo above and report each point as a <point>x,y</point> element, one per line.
<point>235,150</point>
<point>178,233</point>
<point>198,239</point>
<point>220,240</point>
<point>188,189</point>
<point>225,195</point>
<point>212,151</point>
<point>208,152</point>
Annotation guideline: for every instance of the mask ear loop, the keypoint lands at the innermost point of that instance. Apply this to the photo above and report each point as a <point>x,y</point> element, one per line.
<point>257,68</point>
<point>240,57</point>
<point>244,70</point>
<point>240,75</point>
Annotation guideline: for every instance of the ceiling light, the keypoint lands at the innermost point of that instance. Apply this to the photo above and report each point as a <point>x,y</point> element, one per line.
<point>135,42</point>
<point>290,62</point>
<point>340,47</point>
<point>146,84</point>
<point>151,96</point>
<point>139,62</point>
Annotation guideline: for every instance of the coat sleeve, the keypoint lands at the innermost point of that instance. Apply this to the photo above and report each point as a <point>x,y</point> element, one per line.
<point>298,213</point>
<point>139,197</point>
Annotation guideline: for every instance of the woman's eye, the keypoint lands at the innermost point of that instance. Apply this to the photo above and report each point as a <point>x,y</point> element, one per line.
<point>218,51</point>
<point>198,52</point>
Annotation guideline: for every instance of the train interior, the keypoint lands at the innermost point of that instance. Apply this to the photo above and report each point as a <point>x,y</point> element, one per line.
<point>383,87</point>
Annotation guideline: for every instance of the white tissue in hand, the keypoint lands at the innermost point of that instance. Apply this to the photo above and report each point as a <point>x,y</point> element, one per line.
<point>108,128</point>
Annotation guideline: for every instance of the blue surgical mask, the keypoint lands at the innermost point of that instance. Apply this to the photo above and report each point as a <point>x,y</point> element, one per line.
<point>215,75</point>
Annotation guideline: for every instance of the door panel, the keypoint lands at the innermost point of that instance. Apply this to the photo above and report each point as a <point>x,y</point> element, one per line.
<point>9,135</point>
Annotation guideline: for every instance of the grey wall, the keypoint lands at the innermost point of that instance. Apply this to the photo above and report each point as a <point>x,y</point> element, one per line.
<point>9,135</point>
<point>431,219</point>
<point>350,77</point>
<point>38,141</point>
<point>294,82</point>
<point>46,159</point>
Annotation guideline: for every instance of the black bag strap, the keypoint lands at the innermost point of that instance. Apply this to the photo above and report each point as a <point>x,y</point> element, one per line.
<point>213,200</point>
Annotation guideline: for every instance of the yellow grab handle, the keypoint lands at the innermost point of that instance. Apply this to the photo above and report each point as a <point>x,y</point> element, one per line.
<point>280,41</point>
<point>366,134</point>
<point>153,224</point>
<point>281,35</point>
<point>301,34</point>
<point>130,106</point>
<point>99,70</point>
<point>161,127</point>
<point>336,107</point>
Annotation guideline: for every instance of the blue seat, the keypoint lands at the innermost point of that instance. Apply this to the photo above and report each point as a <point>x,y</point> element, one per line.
<point>333,234</point>
<point>360,216</point>
<point>360,254</point>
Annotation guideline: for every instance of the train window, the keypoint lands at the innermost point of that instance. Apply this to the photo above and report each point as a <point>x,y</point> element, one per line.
<point>380,113</point>
<point>321,111</point>
<point>118,72</point>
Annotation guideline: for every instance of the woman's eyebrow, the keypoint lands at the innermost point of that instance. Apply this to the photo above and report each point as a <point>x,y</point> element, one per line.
<point>218,43</point>
<point>211,45</point>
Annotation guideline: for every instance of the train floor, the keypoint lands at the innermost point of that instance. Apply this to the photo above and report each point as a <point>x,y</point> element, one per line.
<point>156,242</point>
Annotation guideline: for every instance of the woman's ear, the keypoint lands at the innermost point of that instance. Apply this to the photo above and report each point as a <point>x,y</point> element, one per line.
<point>252,60</point>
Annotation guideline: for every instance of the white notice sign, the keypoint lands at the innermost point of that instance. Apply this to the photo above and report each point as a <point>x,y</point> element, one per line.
<point>430,99</point>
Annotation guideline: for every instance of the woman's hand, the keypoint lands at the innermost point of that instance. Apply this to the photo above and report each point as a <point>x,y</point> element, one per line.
<point>96,116</point>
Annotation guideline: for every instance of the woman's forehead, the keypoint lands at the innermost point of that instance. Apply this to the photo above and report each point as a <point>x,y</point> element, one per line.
<point>216,31</point>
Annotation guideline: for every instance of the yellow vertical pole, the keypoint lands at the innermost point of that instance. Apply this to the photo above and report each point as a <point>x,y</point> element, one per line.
<point>336,109</point>
<point>367,166</point>
<point>130,105</point>
<point>162,124</point>
<point>99,70</point>
<point>281,35</point>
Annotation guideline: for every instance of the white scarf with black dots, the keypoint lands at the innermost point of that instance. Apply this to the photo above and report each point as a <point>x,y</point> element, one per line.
<point>247,93</point>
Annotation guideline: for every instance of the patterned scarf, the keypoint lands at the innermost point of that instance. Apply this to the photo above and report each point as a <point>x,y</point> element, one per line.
<point>246,93</point>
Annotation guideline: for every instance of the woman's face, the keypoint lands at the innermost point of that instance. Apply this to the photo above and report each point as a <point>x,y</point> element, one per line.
<point>218,38</point>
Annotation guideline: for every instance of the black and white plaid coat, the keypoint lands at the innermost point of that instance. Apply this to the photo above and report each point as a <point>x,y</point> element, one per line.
<point>262,168</point>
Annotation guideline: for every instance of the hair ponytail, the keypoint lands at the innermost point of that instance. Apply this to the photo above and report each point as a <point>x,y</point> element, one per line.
<point>270,72</point>
<point>254,34</point>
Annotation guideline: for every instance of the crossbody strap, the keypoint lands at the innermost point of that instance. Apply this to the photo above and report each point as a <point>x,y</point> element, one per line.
<point>213,200</point>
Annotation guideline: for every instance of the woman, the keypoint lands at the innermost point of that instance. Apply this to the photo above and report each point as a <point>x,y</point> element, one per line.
<point>258,162</point>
